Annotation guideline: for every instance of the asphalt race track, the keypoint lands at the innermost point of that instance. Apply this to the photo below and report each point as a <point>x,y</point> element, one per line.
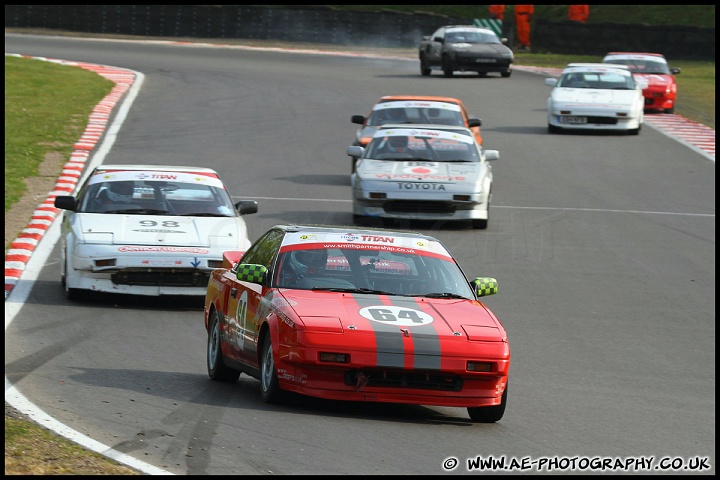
<point>603,246</point>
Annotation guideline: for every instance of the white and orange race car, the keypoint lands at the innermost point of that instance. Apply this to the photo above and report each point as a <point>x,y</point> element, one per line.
<point>399,109</point>
<point>367,315</point>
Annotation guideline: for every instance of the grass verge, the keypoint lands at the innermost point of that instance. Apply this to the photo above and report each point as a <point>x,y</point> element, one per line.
<point>47,106</point>
<point>33,450</point>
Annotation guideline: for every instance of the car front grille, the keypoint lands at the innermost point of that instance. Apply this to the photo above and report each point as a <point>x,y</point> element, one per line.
<point>162,278</point>
<point>419,207</point>
<point>401,379</point>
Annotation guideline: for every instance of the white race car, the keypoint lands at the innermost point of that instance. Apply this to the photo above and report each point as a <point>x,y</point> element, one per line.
<point>423,172</point>
<point>395,109</point>
<point>148,230</point>
<point>596,96</point>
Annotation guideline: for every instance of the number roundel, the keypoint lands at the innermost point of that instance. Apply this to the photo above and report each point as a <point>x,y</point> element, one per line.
<point>399,316</point>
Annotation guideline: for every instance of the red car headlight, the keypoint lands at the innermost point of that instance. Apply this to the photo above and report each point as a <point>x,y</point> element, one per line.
<point>473,366</point>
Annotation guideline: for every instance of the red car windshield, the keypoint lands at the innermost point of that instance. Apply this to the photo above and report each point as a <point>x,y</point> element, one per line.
<point>392,272</point>
<point>644,66</point>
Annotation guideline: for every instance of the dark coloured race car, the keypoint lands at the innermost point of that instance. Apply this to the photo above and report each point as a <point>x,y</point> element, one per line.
<point>349,314</point>
<point>465,48</point>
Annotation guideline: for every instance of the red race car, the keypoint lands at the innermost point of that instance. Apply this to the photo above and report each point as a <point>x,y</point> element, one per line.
<point>661,93</point>
<point>367,315</point>
<point>427,110</point>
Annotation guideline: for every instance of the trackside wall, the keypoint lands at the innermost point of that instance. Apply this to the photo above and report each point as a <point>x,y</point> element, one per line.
<point>324,25</point>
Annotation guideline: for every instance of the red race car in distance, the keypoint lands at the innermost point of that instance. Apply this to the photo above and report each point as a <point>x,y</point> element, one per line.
<point>661,92</point>
<point>368,315</point>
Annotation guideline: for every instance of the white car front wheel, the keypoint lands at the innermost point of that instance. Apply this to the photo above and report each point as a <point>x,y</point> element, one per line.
<point>72,294</point>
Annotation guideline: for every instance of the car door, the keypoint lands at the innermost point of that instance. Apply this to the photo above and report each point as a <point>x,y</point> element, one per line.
<point>246,305</point>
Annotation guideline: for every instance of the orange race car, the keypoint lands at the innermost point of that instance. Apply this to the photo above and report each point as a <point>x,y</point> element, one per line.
<point>426,110</point>
<point>348,314</point>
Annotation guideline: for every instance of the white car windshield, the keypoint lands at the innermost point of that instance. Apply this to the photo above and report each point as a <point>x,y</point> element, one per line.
<point>602,80</point>
<point>156,198</point>
<point>403,145</point>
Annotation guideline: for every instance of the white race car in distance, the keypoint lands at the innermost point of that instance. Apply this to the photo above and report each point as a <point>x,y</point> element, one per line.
<point>423,172</point>
<point>597,96</point>
<point>148,230</point>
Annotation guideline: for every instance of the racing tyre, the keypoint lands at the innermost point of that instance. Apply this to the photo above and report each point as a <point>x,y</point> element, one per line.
<point>72,294</point>
<point>480,224</point>
<point>447,67</point>
<point>669,110</point>
<point>635,131</point>
<point>506,74</point>
<point>424,69</point>
<point>553,129</point>
<point>489,414</point>
<point>62,275</point>
<point>269,385</point>
<point>217,370</point>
